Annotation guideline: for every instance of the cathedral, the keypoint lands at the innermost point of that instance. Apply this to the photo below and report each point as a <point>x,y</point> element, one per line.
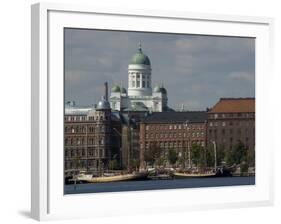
<point>140,96</point>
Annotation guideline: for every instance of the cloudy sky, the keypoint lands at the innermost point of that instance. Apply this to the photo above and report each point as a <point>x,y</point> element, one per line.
<point>196,70</point>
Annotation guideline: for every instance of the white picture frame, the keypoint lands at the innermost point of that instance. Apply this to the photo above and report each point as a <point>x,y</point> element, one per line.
<point>48,201</point>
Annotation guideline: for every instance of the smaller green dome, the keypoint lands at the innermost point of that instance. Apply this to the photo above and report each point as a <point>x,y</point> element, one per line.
<point>157,89</point>
<point>116,89</point>
<point>163,90</point>
<point>123,90</point>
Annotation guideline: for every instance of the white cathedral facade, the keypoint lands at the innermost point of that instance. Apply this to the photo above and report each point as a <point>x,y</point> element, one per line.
<point>140,96</point>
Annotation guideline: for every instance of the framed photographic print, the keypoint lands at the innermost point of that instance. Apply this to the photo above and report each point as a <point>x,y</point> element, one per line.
<point>164,111</point>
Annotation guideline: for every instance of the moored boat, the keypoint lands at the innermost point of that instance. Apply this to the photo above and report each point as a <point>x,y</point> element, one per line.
<point>104,179</point>
<point>186,175</point>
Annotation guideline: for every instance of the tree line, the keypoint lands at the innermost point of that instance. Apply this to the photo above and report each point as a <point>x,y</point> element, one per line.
<point>201,157</point>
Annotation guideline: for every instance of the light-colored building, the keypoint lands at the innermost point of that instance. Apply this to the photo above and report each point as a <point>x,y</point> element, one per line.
<point>140,95</point>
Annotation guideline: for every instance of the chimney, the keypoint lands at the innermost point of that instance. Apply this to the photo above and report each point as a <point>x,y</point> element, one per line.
<point>106,91</point>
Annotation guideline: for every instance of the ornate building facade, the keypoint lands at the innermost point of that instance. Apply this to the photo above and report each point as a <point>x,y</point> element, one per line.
<point>91,138</point>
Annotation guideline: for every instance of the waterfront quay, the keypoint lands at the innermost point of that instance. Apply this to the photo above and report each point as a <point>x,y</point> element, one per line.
<point>142,185</point>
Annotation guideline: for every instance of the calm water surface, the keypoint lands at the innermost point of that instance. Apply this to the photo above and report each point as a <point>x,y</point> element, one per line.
<point>158,184</point>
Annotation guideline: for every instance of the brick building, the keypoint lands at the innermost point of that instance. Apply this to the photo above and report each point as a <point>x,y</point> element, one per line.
<point>91,137</point>
<point>172,130</point>
<point>232,120</point>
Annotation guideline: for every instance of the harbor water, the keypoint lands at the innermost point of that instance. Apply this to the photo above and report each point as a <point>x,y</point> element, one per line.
<point>158,184</point>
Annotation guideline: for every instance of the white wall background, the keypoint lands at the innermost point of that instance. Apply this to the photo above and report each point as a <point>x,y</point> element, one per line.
<point>15,110</point>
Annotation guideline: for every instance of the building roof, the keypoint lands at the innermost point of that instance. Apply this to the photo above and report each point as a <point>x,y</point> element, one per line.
<point>176,117</point>
<point>140,58</point>
<point>234,105</point>
<point>160,89</point>
<point>116,89</point>
<point>71,109</point>
<point>103,105</point>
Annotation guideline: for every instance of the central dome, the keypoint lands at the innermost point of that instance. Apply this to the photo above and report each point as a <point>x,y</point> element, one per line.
<point>140,58</point>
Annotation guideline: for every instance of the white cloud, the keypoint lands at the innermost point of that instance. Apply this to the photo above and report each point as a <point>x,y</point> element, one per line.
<point>243,76</point>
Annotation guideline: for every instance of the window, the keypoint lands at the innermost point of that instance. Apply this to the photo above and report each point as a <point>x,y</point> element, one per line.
<point>143,84</point>
<point>223,123</point>
<point>239,131</point>
<point>138,83</point>
<point>148,85</point>
<point>211,124</point>
<point>133,83</point>
<point>147,127</point>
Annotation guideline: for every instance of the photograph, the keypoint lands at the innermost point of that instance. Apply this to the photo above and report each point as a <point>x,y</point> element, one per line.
<point>157,111</point>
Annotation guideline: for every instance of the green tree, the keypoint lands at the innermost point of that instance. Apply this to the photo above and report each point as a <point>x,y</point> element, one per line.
<point>113,164</point>
<point>172,156</point>
<point>210,156</point>
<point>237,154</point>
<point>198,155</point>
<point>152,154</point>
<point>251,157</point>
<point>135,163</point>
<point>244,167</point>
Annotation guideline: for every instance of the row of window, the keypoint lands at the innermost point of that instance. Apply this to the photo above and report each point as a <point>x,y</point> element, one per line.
<point>85,118</point>
<point>82,141</point>
<point>137,84</point>
<point>175,135</point>
<point>230,131</point>
<point>231,115</point>
<point>79,153</point>
<point>82,129</point>
<point>172,144</point>
<point>75,118</point>
<point>175,127</point>
<point>229,123</point>
<point>138,75</point>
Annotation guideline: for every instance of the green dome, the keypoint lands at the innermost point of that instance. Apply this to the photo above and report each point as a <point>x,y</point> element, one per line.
<point>140,58</point>
<point>163,90</point>
<point>115,89</point>
<point>157,89</point>
<point>123,90</point>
